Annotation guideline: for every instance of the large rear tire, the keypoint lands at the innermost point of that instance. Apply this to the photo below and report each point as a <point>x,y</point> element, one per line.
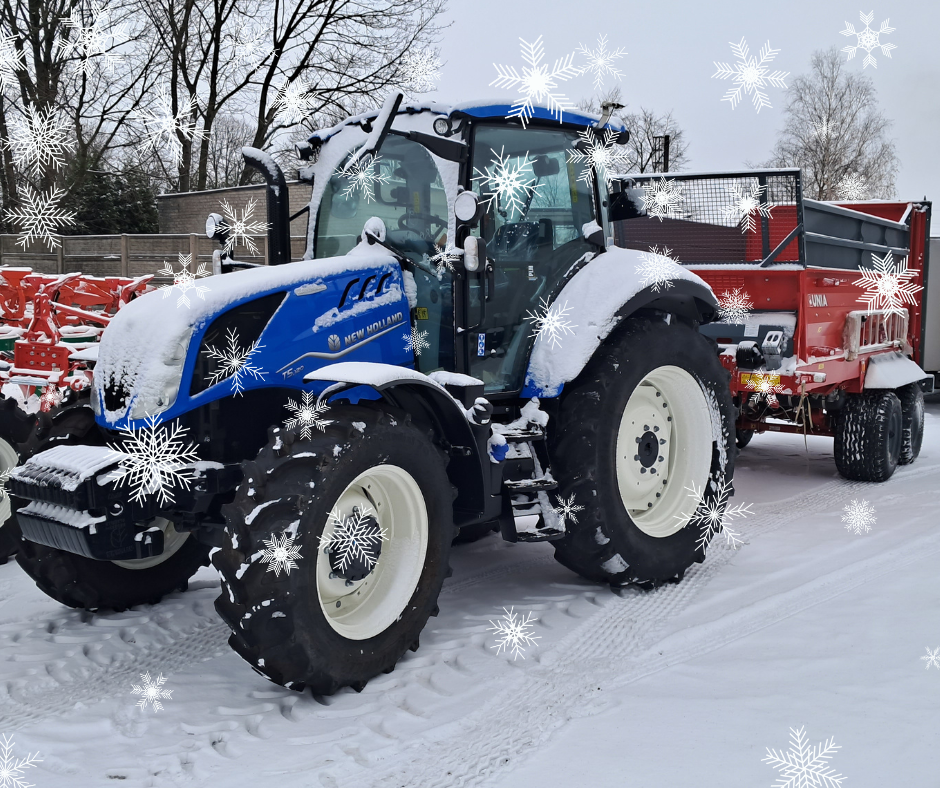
<point>912,422</point>
<point>314,622</point>
<point>869,436</point>
<point>649,417</point>
<point>15,428</point>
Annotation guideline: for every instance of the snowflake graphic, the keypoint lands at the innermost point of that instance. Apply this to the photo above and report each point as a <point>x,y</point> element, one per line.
<point>600,60</point>
<point>734,306</point>
<point>11,769</point>
<point>508,180</point>
<point>38,141</point>
<point>241,229</point>
<point>293,102</point>
<point>822,128</point>
<point>11,61</point>
<point>153,460</point>
<point>765,385</point>
<point>745,204</point>
<point>932,658</point>
<point>416,341</point>
<point>184,280</point>
<point>38,217</point>
<point>50,397</point>
<point>887,284</point>
<point>364,176</point>
<point>514,634</point>
<point>307,414</point>
<point>93,44</point>
<point>151,692</point>
<point>710,515</point>
<point>552,323</point>
<point>858,516</point>
<point>163,128</point>
<point>868,39</point>
<point>661,199</point>
<point>567,508</point>
<point>853,187</point>
<point>249,47</point>
<point>658,268</point>
<point>422,69</point>
<point>537,84</point>
<point>600,156</point>
<point>280,554</point>
<point>233,362</point>
<point>444,259</point>
<point>356,536</point>
<point>803,766</point>
<point>750,75</point>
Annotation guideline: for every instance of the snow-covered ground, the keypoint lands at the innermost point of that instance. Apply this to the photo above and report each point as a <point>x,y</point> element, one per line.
<point>806,625</point>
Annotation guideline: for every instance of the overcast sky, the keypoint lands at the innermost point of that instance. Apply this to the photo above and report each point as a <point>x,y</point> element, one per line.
<point>671,46</point>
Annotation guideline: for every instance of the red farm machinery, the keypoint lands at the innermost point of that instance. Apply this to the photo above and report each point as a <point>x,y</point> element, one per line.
<point>823,321</point>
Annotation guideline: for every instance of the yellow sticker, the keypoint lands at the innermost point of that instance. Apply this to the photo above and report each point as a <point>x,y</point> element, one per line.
<point>421,313</point>
<point>760,377</point>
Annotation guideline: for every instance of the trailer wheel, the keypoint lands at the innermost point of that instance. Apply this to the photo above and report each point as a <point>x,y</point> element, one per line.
<point>649,417</point>
<point>324,621</point>
<point>743,437</point>
<point>869,436</point>
<point>912,422</point>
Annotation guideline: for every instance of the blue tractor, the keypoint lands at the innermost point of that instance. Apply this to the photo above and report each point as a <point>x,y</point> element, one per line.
<point>460,350</point>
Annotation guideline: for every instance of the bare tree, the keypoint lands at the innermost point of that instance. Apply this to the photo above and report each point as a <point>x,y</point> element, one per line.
<point>836,133</point>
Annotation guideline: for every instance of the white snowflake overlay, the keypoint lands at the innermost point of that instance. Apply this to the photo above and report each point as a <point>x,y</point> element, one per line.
<point>250,46</point>
<point>766,386</point>
<point>567,508</point>
<point>293,102</point>
<point>887,285</point>
<point>600,61</point>
<point>853,187</point>
<point>803,766</point>
<point>354,536</point>
<point>422,69</point>
<point>363,176</point>
<point>444,259</point>
<point>746,205</point>
<point>280,554</point>
<point>661,198</point>
<point>163,128</point>
<point>711,515</point>
<point>750,75</point>
<point>734,306</point>
<point>507,182</point>
<point>11,768</point>
<point>868,39</point>
<point>50,397</point>
<point>552,323</point>
<point>241,229</point>
<point>657,268</point>
<point>94,43</point>
<point>151,691</point>
<point>416,341</point>
<point>822,128</point>
<point>184,280</point>
<point>234,362</point>
<point>537,84</point>
<point>38,141</point>
<point>306,414</point>
<point>11,61</point>
<point>38,217</point>
<point>153,460</point>
<point>932,658</point>
<point>514,634</point>
<point>858,516</point>
<point>599,156</point>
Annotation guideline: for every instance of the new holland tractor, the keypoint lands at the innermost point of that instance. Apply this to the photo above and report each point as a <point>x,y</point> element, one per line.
<point>460,350</point>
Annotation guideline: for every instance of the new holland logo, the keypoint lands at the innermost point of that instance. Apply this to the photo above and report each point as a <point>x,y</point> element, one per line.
<point>333,342</point>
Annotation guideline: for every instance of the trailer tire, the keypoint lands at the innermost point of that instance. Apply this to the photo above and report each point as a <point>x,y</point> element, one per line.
<point>868,436</point>
<point>619,539</point>
<point>290,625</point>
<point>743,437</point>
<point>912,422</point>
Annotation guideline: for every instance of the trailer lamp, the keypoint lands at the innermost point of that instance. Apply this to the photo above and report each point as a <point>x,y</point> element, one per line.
<point>471,256</point>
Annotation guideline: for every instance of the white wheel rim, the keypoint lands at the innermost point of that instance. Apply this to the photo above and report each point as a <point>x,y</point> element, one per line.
<point>172,542</point>
<point>358,610</point>
<point>9,459</point>
<point>667,425</point>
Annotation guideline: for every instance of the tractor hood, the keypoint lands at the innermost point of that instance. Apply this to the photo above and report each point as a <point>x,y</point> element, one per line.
<point>148,347</point>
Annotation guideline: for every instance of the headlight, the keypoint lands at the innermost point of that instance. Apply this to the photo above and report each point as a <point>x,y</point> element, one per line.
<point>161,384</point>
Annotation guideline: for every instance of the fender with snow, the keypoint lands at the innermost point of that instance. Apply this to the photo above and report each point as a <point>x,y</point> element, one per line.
<point>891,371</point>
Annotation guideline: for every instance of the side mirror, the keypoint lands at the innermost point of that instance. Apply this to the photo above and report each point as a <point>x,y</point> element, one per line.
<point>467,208</point>
<point>593,233</point>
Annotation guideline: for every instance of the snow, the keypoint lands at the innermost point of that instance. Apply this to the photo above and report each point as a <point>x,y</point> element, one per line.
<point>892,370</point>
<point>62,514</point>
<point>69,466</point>
<point>366,373</point>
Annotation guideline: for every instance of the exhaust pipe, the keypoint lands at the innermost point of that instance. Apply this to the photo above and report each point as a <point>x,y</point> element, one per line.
<point>277,204</point>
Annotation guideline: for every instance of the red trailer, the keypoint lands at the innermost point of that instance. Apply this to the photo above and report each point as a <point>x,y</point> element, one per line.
<point>822,321</point>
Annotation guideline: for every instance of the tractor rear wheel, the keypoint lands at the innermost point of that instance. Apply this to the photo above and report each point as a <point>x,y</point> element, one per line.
<point>15,428</point>
<point>650,417</point>
<point>869,436</point>
<point>356,525</point>
<point>912,422</point>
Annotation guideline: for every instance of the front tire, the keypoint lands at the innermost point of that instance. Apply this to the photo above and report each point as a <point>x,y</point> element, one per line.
<point>649,417</point>
<point>319,623</point>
